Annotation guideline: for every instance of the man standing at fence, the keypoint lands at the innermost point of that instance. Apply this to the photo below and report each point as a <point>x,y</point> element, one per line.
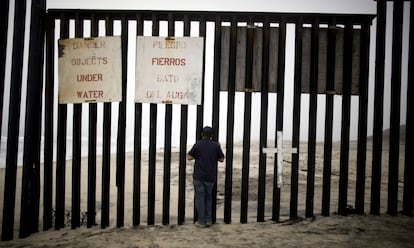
<point>206,153</point>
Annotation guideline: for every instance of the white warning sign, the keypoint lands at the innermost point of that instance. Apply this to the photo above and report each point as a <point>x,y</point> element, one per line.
<point>90,70</point>
<point>169,70</point>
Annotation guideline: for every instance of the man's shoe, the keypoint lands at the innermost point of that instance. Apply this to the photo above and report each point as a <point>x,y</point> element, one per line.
<point>208,223</point>
<point>198,224</point>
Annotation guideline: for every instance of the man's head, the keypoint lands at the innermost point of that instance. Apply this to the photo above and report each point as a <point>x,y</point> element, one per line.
<point>207,132</point>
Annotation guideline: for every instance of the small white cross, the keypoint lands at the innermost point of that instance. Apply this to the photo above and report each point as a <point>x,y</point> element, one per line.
<point>279,150</point>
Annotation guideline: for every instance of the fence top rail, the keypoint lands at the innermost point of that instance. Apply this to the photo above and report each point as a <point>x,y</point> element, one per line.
<point>223,16</point>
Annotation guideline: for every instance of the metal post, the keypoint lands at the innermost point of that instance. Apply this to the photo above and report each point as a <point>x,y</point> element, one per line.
<point>362,124</point>
<point>216,98</point>
<point>167,146</point>
<point>395,108</point>
<point>183,147</point>
<point>120,148</point>
<point>76,145</point>
<point>247,121</point>
<point>263,121</point>
<point>346,109</point>
<point>48,133</point>
<point>93,115</point>
<point>230,122</point>
<point>378,108</point>
<point>279,112</point>
<point>61,147</point>
<point>152,145</point>
<point>409,139</point>
<point>14,117</point>
<point>330,89</point>
<point>313,101</point>
<point>136,204</point>
<point>296,120</point>
<point>106,149</point>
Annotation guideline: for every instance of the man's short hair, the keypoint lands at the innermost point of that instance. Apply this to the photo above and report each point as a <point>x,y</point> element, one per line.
<point>207,132</point>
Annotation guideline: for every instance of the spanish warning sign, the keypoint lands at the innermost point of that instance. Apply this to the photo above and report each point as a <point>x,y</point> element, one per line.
<point>169,70</point>
<point>90,70</point>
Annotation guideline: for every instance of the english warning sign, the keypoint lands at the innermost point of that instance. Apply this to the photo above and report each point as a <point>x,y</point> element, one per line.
<point>90,70</point>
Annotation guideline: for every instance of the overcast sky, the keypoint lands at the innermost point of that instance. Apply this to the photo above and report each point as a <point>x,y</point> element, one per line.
<point>323,6</point>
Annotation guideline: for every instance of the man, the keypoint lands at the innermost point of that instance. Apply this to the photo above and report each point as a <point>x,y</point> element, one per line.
<point>206,153</point>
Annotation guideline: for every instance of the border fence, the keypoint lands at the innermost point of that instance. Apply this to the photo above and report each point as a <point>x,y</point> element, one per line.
<point>331,54</point>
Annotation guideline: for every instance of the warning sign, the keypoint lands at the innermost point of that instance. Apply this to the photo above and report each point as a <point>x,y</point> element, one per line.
<point>90,70</point>
<point>169,70</point>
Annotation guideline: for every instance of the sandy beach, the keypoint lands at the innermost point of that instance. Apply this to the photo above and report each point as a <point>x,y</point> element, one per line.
<point>333,231</point>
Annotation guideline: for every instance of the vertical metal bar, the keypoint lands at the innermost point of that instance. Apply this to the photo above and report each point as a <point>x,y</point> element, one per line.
<point>279,112</point>
<point>247,121</point>
<point>120,151</point>
<point>330,87</point>
<point>106,147</point>
<point>409,139</point>
<point>61,146</point>
<point>77,144</point>
<point>183,148</point>
<point>200,108</point>
<point>216,99</point>
<point>378,108</point>
<point>395,108</point>
<point>230,122</point>
<point>296,119</point>
<point>14,117</point>
<point>29,211</point>
<point>167,146</point>
<point>136,204</point>
<point>362,124</point>
<point>48,133</point>
<point>152,145</point>
<point>313,101</point>
<point>346,109</point>
<point>4,23</point>
<point>92,131</point>
<point>263,121</point>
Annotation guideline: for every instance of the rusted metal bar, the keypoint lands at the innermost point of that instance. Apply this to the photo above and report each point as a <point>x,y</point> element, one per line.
<point>296,119</point>
<point>48,133</point>
<point>392,204</point>
<point>93,116</point>
<point>183,149</point>
<point>61,147</point>
<point>329,107</point>
<point>120,148</point>
<point>313,101</point>
<point>409,139</point>
<point>216,99</point>
<point>247,122</point>
<point>263,122</point>
<point>136,204</point>
<point>362,119</point>
<point>279,112</point>
<point>345,125</point>
<point>152,145</point>
<point>167,147</point>
<point>106,146</point>
<point>378,108</point>
<point>14,117</point>
<point>76,146</point>
<point>230,123</point>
